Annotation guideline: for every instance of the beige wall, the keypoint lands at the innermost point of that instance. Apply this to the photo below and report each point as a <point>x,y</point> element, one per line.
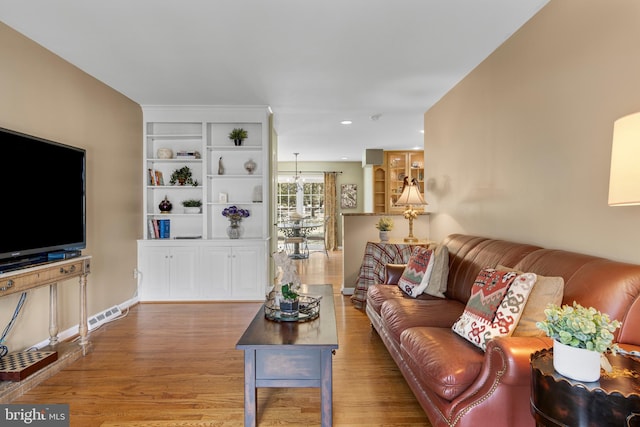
<point>45,96</point>
<point>520,149</point>
<point>351,174</point>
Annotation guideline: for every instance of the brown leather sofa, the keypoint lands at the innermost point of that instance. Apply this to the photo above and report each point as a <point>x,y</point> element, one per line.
<point>455,382</point>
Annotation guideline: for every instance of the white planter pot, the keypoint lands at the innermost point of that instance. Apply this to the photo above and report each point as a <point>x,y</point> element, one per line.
<point>576,363</point>
<point>192,210</point>
<point>384,236</point>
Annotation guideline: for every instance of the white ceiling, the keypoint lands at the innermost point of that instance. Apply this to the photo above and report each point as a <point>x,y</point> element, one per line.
<point>315,63</point>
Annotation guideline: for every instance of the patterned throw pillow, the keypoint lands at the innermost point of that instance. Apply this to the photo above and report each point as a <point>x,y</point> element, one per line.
<point>495,306</point>
<point>547,290</point>
<point>418,268</point>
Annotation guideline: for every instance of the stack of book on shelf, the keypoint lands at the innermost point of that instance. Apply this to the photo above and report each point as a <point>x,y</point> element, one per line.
<point>159,228</point>
<point>155,177</point>
<point>187,155</point>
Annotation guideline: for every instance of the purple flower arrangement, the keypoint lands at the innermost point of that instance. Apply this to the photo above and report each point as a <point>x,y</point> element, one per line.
<point>235,213</point>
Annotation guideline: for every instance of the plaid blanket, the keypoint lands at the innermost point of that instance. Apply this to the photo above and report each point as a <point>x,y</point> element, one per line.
<point>376,256</point>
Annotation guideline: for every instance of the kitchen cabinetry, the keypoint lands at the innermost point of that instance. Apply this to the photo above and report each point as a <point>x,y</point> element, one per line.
<point>222,174</point>
<point>388,178</point>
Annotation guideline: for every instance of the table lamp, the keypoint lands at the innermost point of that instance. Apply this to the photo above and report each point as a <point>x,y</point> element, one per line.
<point>410,197</point>
<point>624,180</point>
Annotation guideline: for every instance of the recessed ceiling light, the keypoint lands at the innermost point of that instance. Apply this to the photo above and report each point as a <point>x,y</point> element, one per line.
<point>421,131</point>
<point>343,158</point>
<point>346,122</point>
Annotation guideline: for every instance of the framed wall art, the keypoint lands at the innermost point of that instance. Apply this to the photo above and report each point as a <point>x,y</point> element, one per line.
<point>348,196</point>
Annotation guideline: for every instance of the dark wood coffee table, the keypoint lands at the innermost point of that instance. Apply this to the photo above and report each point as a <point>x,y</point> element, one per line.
<point>291,354</point>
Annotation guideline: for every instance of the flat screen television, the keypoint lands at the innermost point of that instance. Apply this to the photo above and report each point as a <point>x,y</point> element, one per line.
<point>42,193</point>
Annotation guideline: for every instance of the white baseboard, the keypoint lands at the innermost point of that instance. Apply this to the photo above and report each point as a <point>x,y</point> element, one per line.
<point>348,291</point>
<point>74,330</point>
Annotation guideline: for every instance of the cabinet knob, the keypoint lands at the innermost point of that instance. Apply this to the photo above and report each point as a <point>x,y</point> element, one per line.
<point>7,286</point>
<point>67,271</point>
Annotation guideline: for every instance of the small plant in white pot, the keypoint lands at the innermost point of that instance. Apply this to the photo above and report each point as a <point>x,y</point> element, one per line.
<point>581,336</point>
<point>289,304</point>
<point>192,206</point>
<point>385,224</point>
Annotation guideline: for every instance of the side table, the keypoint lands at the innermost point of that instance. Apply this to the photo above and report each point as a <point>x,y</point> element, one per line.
<point>614,400</point>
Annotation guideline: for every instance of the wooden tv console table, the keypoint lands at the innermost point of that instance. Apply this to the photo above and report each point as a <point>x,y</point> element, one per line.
<point>50,274</point>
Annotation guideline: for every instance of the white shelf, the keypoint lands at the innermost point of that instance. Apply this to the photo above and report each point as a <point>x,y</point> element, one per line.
<point>235,176</point>
<point>174,160</point>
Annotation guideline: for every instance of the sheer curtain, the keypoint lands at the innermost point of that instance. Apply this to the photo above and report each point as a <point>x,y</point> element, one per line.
<point>330,208</point>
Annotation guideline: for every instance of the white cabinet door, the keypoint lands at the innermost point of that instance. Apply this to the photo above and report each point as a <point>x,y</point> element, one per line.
<point>247,271</point>
<point>215,276</point>
<point>183,284</point>
<point>154,271</point>
<point>168,273</point>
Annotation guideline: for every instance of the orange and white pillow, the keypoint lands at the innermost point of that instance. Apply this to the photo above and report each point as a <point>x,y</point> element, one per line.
<point>497,300</point>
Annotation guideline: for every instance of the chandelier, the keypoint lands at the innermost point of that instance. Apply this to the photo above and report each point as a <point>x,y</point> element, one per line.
<point>297,179</point>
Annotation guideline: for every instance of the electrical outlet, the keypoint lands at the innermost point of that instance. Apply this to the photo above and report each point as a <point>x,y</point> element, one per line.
<point>135,273</point>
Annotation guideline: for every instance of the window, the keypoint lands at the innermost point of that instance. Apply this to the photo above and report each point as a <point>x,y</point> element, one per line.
<point>307,198</point>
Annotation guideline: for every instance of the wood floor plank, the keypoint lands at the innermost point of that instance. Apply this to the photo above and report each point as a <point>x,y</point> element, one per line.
<point>175,364</point>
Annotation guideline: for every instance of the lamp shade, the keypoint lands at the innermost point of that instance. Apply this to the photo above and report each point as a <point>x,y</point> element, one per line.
<point>411,196</point>
<point>624,180</point>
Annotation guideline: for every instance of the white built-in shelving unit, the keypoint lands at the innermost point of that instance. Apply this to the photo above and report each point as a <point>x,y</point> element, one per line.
<point>198,261</point>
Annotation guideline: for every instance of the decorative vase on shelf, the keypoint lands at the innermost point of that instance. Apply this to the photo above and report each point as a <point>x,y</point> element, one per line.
<point>384,236</point>
<point>576,363</point>
<point>165,205</point>
<point>250,166</point>
<point>220,167</point>
<point>164,153</point>
<point>234,230</point>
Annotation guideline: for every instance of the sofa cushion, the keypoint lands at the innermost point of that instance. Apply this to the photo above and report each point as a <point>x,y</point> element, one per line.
<point>437,285</point>
<point>415,278</point>
<point>403,313</point>
<point>441,360</point>
<point>483,318</point>
<point>378,294</point>
<point>547,290</point>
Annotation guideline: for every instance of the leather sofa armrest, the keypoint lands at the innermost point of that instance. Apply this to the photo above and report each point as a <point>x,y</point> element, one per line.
<point>393,272</point>
<point>517,353</point>
<point>506,371</point>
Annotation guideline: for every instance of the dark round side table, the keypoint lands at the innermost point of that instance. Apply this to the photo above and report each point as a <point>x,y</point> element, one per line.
<point>614,400</point>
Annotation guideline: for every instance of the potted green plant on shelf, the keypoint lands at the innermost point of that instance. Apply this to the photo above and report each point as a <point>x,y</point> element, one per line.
<point>238,135</point>
<point>192,206</point>
<point>384,225</point>
<point>581,336</point>
<point>183,176</point>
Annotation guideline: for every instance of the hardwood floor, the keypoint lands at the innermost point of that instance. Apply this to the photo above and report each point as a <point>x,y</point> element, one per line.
<point>176,365</point>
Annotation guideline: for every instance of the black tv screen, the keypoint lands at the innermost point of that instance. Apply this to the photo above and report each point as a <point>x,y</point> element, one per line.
<point>42,191</point>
